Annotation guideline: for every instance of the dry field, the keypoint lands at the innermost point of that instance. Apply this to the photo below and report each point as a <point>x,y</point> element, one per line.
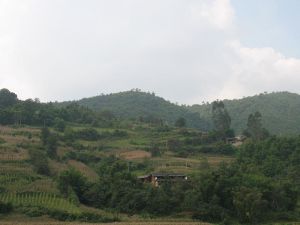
<point>135,154</point>
<point>216,160</point>
<point>15,154</point>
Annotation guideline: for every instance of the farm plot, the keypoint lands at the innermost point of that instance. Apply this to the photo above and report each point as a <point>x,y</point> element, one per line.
<point>121,223</point>
<point>42,199</point>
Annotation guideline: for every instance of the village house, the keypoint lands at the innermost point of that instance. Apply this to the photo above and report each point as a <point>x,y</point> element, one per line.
<point>156,179</point>
<point>236,141</point>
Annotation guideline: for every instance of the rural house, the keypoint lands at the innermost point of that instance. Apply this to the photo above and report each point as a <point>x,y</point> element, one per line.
<point>156,179</point>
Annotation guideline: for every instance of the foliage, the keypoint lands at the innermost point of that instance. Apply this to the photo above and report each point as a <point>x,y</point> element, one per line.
<point>143,106</point>
<point>72,182</point>
<point>180,122</point>
<point>281,112</point>
<point>254,127</point>
<point>221,118</point>
<point>7,98</point>
<point>5,207</point>
<point>50,142</point>
<point>39,161</point>
<point>59,124</point>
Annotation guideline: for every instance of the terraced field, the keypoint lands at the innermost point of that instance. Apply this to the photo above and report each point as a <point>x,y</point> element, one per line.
<point>122,223</point>
<point>21,186</point>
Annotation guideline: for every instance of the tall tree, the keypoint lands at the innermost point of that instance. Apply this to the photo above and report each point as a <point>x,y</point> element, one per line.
<point>180,122</point>
<point>255,129</point>
<point>221,118</point>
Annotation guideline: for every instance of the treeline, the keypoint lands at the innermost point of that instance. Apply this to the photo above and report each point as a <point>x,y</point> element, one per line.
<point>145,107</point>
<point>262,185</point>
<point>32,112</point>
<point>281,111</point>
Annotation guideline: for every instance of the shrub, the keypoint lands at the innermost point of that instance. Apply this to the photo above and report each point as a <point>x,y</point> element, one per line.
<point>5,208</point>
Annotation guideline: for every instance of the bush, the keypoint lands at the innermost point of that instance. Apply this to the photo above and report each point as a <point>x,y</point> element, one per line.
<point>39,161</point>
<point>88,134</point>
<point>209,213</point>
<point>83,217</point>
<point>5,208</point>
<point>34,211</point>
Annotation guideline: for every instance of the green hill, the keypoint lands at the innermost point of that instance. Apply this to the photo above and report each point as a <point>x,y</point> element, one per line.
<point>136,104</point>
<point>280,111</point>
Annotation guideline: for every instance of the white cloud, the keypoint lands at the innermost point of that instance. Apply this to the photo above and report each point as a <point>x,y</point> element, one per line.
<point>255,70</point>
<point>218,13</point>
<point>184,50</point>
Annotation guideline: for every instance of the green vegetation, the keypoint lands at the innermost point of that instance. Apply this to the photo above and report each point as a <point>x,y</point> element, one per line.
<point>145,107</point>
<point>72,163</point>
<point>281,112</point>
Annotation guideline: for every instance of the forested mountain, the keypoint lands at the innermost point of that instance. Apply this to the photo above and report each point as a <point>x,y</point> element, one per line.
<point>280,112</point>
<point>135,104</point>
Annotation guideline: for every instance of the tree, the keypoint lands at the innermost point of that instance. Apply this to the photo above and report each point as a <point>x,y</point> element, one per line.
<point>45,133</point>
<point>221,118</point>
<point>50,142</point>
<point>72,182</point>
<point>51,146</point>
<point>39,161</point>
<point>255,129</point>
<point>59,124</point>
<point>180,122</point>
<point>249,205</point>
<point>7,98</point>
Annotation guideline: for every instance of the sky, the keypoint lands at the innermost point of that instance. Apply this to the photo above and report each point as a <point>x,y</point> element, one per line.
<point>187,51</point>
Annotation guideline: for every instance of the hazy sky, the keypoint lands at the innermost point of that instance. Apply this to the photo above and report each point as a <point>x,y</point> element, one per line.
<point>187,51</point>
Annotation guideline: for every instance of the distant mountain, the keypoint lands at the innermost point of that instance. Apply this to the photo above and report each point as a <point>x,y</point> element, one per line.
<point>136,104</point>
<point>280,111</point>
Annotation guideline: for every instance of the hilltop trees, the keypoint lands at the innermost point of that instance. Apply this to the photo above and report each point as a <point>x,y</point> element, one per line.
<point>7,98</point>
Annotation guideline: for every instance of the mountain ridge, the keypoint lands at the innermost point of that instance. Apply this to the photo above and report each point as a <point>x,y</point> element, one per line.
<point>280,110</point>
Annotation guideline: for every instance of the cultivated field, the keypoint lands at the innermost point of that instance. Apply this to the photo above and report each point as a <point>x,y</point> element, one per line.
<point>122,223</point>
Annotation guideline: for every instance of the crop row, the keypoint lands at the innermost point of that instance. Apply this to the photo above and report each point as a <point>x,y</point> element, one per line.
<point>39,199</point>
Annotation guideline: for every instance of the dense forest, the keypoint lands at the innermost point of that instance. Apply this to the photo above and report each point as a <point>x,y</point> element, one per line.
<point>136,104</point>
<point>73,163</point>
<point>281,111</point>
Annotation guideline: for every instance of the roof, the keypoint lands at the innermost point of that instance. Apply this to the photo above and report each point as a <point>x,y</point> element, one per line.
<point>162,175</point>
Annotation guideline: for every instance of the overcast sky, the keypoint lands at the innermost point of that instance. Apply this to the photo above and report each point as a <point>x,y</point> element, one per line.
<point>186,51</point>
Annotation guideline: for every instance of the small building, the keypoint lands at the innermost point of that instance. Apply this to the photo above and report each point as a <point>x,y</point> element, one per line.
<point>236,141</point>
<point>157,178</point>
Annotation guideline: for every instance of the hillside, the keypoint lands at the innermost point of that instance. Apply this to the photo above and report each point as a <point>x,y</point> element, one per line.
<point>74,164</point>
<point>280,111</point>
<point>137,104</point>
